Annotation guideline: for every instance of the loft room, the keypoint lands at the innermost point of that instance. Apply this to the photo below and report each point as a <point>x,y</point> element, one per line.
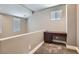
<point>39,29</point>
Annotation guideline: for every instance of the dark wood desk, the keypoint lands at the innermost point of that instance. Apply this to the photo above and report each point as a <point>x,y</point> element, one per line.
<point>51,37</point>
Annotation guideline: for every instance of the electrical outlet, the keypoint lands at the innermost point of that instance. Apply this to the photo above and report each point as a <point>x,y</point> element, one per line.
<point>57,37</point>
<point>29,47</point>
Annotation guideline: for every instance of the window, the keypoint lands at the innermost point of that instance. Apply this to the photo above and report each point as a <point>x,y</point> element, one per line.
<point>56,15</point>
<point>16,24</point>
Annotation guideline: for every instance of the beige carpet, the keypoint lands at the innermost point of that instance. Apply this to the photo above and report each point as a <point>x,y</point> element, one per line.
<point>47,48</point>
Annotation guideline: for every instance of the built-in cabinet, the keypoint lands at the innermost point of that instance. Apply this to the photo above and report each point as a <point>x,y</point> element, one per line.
<point>51,37</point>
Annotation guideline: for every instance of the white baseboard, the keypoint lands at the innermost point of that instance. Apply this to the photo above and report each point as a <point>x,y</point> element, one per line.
<point>36,48</point>
<point>73,48</point>
<point>77,49</point>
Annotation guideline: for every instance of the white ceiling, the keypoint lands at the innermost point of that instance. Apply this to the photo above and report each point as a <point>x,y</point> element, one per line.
<point>15,10</point>
<point>24,10</point>
<point>37,7</point>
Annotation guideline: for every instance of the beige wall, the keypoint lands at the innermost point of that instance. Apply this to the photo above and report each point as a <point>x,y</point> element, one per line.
<point>21,44</point>
<point>7,26</point>
<point>42,20</point>
<point>78,25</point>
<point>71,24</point>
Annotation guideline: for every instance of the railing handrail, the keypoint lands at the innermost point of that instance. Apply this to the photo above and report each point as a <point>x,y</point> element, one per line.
<point>2,39</point>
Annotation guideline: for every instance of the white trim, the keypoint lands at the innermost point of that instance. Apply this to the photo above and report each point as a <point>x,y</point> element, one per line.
<point>66,18</point>
<point>77,50</point>
<point>36,48</point>
<point>73,48</point>
<point>19,35</point>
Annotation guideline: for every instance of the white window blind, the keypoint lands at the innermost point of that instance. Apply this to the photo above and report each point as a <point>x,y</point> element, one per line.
<point>56,15</point>
<point>16,24</point>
